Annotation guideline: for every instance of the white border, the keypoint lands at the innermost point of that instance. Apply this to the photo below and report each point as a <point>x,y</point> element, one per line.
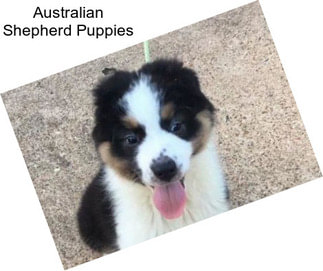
<point>281,232</point>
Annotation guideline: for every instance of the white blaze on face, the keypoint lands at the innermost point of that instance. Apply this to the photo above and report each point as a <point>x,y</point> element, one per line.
<point>143,104</point>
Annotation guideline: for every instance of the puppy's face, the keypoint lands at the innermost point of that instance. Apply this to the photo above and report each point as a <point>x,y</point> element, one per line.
<point>149,124</point>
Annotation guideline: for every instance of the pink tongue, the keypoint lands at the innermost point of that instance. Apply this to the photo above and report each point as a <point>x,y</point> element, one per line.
<point>170,199</point>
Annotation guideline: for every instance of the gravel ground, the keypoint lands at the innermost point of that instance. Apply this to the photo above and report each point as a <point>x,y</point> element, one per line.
<point>262,141</point>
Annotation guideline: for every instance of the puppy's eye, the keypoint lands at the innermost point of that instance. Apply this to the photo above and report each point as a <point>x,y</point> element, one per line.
<point>176,127</point>
<point>131,140</point>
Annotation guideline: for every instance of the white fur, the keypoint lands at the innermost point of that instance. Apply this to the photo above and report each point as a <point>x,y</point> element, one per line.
<point>143,104</point>
<point>137,218</point>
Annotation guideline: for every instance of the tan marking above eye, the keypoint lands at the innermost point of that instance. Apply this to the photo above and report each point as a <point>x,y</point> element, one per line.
<point>130,122</point>
<point>206,119</point>
<point>167,111</point>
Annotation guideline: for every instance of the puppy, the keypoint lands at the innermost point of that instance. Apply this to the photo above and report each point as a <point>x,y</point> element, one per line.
<point>160,170</point>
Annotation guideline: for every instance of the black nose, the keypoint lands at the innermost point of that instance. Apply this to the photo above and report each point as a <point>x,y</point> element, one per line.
<point>164,168</point>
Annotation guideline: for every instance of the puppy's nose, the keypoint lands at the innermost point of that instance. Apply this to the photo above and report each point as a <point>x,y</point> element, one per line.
<point>164,168</point>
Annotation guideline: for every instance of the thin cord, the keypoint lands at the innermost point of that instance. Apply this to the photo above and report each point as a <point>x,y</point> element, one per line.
<point>146,50</point>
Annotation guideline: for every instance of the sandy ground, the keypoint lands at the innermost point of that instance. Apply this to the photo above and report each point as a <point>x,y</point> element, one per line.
<point>261,137</point>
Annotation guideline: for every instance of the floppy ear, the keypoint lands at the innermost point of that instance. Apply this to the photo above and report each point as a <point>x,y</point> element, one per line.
<point>112,86</point>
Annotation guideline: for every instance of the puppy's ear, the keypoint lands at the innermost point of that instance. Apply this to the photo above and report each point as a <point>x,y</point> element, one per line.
<point>113,85</point>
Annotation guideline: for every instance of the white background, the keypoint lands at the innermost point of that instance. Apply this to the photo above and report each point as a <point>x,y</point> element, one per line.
<point>281,232</point>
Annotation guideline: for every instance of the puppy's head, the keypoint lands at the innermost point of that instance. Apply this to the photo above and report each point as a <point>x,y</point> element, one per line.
<point>149,124</point>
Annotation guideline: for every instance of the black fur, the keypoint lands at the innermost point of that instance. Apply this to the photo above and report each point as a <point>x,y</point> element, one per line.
<point>178,84</point>
<point>108,112</point>
<point>96,218</point>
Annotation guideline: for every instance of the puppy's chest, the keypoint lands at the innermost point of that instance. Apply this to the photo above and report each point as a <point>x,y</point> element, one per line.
<point>138,219</point>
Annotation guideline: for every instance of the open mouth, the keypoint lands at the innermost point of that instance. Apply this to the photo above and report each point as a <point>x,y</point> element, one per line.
<point>170,199</point>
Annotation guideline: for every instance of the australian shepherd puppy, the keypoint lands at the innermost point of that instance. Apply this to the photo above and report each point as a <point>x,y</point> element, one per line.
<point>160,170</point>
